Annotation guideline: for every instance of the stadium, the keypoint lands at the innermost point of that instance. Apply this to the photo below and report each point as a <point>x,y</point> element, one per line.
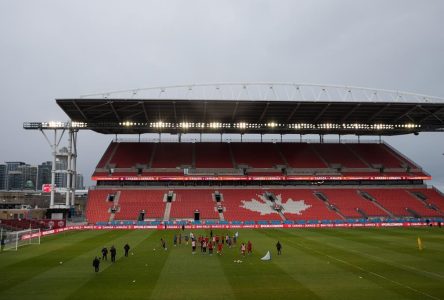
<point>302,164</point>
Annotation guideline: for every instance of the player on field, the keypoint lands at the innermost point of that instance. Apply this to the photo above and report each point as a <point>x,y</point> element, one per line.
<point>3,243</point>
<point>243,248</point>
<point>105,253</point>
<point>279,248</point>
<point>210,248</point>
<point>96,264</point>
<point>219,248</point>
<point>126,248</point>
<point>204,246</point>
<point>113,253</point>
<point>163,244</point>
<point>193,245</point>
<point>249,247</point>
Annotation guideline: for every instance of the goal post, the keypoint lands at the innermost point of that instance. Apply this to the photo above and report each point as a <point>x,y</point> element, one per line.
<point>15,239</point>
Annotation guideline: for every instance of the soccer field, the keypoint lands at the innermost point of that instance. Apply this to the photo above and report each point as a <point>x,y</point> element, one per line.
<point>367,263</point>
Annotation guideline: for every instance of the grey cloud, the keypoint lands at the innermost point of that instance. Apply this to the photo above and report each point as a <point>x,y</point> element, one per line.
<point>54,49</point>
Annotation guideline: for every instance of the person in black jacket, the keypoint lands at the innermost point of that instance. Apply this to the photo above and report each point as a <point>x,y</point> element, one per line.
<point>3,243</point>
<point>126,248</point>
<point>113,252</point>
<point>105,253</point>
<point>96,264</point>
<point>279,248</point>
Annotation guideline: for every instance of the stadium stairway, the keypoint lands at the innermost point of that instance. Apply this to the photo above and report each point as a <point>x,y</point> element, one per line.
<point>322,197</point>
<point>281,155</point>
<point>166,215</point>
<point>357,155</point>
<point>316,152</point>
<point>153,153</point>
<point>376,203</point>
<point>115,207</point>
<point>221,214</point>
<point>273,200</point>
<point>193,156</point>
<point>424,196</point>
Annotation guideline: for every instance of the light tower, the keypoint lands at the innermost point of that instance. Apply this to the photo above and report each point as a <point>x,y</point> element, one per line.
<point>58,130</point>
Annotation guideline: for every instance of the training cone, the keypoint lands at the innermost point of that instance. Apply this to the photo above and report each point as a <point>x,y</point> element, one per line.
<point>267,256</point>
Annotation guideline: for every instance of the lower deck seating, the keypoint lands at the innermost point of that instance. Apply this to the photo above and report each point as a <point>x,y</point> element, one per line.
<point>400,201</point>
<point>97,207</point>
<point>187,201</point>
<point>251,204</point>
<point>432,197</point>
<point>349,200</point>
<point>302,204</point>
<point>131,202</point>
<point>246,204</point>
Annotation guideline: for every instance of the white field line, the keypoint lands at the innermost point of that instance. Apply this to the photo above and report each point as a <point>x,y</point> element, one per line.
<point>370,272</point>
<point>401,266</point>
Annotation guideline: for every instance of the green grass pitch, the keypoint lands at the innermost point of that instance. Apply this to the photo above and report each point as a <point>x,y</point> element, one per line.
<point>358,263</point>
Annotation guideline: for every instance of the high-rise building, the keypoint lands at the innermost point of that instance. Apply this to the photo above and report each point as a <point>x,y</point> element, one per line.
<point>13,165</point>
<point>44,174</point>
<point>29,177</point>
<point>3,176</point>
<point>79,182</point>
<point>21,176</point>
<point>13,177</point>
<point>15,182</point>
<point>61,164</point>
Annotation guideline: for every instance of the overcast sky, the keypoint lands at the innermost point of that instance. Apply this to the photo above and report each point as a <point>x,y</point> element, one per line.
<point>56,49</point>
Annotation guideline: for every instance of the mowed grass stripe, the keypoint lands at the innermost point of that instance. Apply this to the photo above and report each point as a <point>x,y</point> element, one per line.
<point>10,257</point>
<point>400,253</point>
<point>188,276</point>
<point>434,234</point>
<point>60,280</point>
<point>63,250</point>
<point>326,279</point>
<point>432,238</point>
<point>116,281</point>
<point>406,284</point>
<point>316,264</point>
<point>256,279</point>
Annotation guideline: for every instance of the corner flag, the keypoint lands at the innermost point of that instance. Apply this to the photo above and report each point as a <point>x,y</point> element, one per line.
<point>420,247</point>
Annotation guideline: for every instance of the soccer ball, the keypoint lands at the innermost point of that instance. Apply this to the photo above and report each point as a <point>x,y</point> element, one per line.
<point>61,262</point>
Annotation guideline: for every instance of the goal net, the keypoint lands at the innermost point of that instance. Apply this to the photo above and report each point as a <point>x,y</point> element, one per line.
<point>12,240</point>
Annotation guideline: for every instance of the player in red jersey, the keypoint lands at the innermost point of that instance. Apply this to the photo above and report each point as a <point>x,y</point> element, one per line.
<point>210,248</point>
<point>249,248</point>
<point>219,248</point>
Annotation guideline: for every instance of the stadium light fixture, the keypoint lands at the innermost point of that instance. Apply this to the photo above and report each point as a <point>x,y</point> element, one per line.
<point>53,124</point>
<point>215,125</point>
<point>79,124</point>
<point>241,125</point>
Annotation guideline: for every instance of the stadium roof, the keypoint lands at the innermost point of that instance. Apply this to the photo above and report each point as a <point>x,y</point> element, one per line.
<point>257,108</point>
